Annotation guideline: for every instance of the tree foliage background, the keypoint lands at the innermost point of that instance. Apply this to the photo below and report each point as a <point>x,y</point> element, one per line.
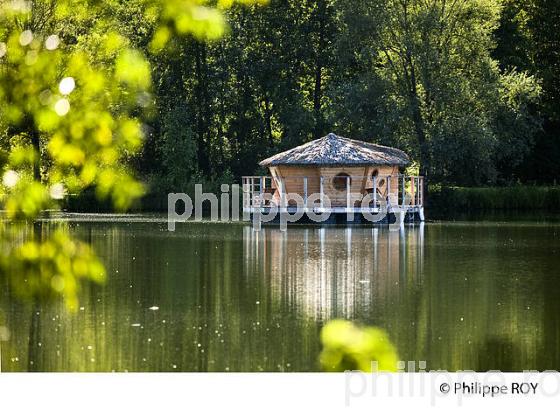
<point>465,86</point>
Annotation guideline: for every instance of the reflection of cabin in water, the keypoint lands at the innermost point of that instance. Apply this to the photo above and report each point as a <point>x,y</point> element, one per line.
<point>336,175</point>
<point>338,272</point>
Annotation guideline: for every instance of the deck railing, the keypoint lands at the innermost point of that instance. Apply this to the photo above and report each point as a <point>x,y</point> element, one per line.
<point>393,190</point>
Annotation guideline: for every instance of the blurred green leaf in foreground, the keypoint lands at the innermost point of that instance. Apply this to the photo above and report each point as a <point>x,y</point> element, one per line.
<point>347,346</point>
<point>72,88</point>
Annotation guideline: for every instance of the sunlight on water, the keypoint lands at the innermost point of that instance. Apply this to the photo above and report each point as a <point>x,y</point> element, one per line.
<point>219,297</point>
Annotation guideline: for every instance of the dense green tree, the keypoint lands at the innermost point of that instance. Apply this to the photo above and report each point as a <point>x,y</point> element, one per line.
<point>528,39</point>
<point>544,26</point>
<point>450,92</point>
<point>514,42</point>
<point>423,76</point>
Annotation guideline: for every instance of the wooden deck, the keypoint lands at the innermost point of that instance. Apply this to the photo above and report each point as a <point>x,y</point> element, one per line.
<point>394,194</point>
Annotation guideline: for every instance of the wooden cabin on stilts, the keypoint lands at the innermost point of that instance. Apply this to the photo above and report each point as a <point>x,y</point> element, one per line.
<point>338,176</point>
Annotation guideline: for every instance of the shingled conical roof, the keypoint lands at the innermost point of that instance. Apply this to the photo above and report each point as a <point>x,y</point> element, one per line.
<point>333,150</point>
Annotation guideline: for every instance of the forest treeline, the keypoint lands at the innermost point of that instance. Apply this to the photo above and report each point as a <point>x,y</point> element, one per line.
<point>469,88</point>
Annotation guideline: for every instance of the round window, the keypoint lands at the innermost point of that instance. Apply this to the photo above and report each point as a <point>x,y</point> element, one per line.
<point>375,173</point>
<point>339,181</point>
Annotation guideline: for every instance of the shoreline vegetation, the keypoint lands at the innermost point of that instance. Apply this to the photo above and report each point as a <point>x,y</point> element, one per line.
<point>515,198</point>
<point>441,199</point>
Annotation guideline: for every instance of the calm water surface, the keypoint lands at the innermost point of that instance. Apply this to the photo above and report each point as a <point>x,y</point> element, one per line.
<point>222,297</point>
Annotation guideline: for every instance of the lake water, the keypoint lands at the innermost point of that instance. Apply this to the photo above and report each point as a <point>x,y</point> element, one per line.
<point>222,297</point>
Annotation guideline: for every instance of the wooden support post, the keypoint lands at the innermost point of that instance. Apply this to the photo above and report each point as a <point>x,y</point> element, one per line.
<point>389,190</point>
<point>418,191</point>
<point>401,216</point>
<point>413,188</point>
<point>321,190</point>
<point>251,192</point>
<point>246,199</point>
<point>403,191</point>
<point>261,192</point>
<point>348,192</point>
<point>421,200</point>
<point>254,190</point>
<point>421,191</point>
<point>417,198</point>
<point>375,192</point>
<point>305,192</point>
